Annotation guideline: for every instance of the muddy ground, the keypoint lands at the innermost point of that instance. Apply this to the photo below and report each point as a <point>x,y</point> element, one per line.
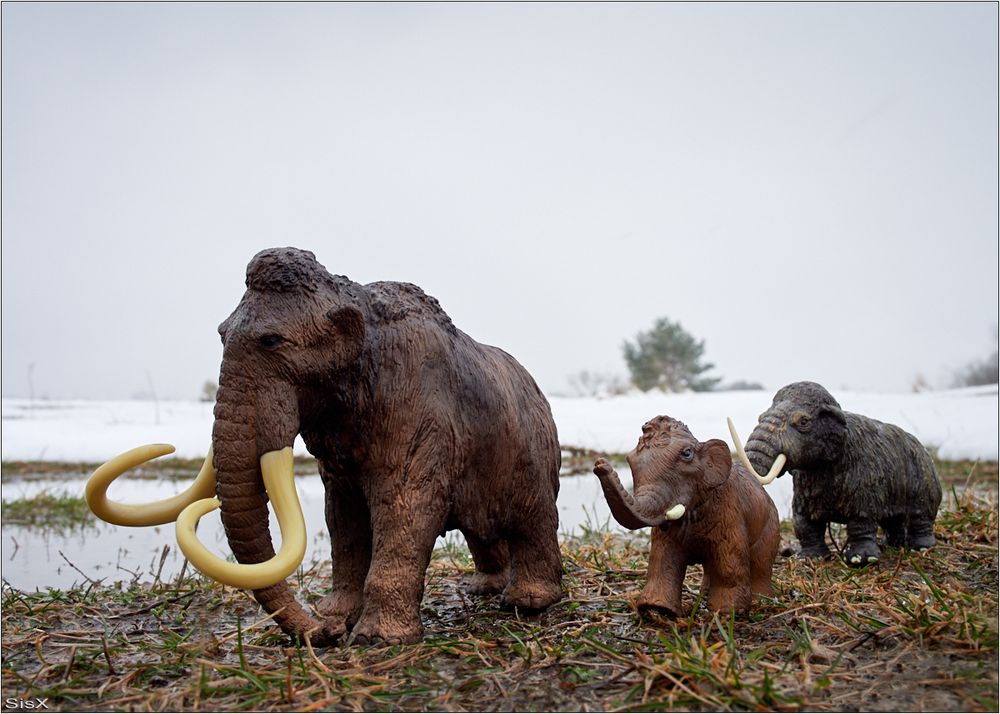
<point>917,632</point>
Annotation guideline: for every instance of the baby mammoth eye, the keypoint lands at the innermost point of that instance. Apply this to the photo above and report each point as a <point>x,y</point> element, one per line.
<point>271,342</point>
<point>687,454</point>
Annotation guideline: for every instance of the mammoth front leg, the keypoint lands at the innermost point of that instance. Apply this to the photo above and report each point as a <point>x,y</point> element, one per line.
<point>664,576</point>
<point>727,575</point>
<point>349,524</point>
<point>408,511</point>
<point>811,535</point>
<point>861,547</point>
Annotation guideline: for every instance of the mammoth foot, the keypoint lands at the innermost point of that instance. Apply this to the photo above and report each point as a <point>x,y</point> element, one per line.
<point>532,596</point>
<point>921,534</point>
<point>861,553</point>
<point>485,583</point>
<point>657,611</point>
<point>370,633</point>
<point>655,603</point>
<point>339,612</point>
<point>814,552</point>
<point>327,635</point>
<point>921,542</point>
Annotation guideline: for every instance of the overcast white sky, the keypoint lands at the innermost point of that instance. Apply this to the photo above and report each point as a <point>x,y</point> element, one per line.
<point>810,188</point>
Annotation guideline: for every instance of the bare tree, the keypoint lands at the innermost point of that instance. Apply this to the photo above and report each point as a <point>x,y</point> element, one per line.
<point>978,372</point>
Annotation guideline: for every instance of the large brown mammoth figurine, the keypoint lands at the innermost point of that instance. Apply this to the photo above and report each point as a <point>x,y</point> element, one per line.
<point>703,508</point>
<point>417,428</point>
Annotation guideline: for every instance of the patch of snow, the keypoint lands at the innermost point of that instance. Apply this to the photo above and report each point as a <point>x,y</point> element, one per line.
<point>959,423</point>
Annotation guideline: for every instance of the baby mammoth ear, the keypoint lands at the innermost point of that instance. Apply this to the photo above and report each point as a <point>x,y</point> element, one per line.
<point>347,326</point>
<point>717,462</point>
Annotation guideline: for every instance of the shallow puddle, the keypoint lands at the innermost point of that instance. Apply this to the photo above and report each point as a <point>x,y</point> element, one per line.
<point>37,558</point>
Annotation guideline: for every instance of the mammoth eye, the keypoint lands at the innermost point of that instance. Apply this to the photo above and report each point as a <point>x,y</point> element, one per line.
<point>801,422</point>
<point>271,341</point>
<point>687,454</point>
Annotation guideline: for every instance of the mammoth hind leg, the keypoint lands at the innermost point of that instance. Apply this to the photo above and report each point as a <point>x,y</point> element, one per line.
<point>762,555</point>
<point>895,531</point>
<point>349,524</point>
<point>492,558</point>
<point>920,534</point>
<point>812,537</point>
<point>536,567</point>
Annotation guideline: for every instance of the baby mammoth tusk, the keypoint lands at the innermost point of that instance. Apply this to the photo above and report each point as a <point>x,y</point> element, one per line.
<point>776,467</point>
<point>146,514</point>
<point>674,513</point>
<point>276,468</point>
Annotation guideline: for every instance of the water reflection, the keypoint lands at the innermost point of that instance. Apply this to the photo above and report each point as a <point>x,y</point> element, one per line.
<point>35,558</point>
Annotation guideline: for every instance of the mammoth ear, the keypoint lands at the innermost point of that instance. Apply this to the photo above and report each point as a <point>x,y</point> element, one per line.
<point>834,411</point>
<point>830,431</point>
<point>716,460</point>
<point>347,328</point>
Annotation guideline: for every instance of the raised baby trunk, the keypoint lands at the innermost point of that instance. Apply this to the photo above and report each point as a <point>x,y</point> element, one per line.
<point>650,506</point>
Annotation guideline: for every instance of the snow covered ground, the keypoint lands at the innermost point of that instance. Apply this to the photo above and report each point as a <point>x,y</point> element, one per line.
<point>959,423</point>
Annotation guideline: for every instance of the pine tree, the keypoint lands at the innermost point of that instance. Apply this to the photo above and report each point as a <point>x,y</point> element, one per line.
<point>667,357</point>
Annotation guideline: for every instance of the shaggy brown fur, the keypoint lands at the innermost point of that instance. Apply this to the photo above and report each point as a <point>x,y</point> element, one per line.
<point>729,524</point>
<point>418,429</point>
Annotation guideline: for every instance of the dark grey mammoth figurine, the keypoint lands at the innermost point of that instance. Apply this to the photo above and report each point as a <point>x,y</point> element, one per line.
<point>418,429</point>
<point>846,468</point>
<point>703,508</point>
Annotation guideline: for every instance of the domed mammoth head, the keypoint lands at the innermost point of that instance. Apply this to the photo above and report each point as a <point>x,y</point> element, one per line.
<point>672,474</point>
<point>804,427</point>
<point>295,326</point>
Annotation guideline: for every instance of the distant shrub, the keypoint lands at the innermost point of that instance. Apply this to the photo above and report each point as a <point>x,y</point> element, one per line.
<point>986,371</point>
<point>597,384</point>
<point>208,391</point>
<point>741,385</point>
<point>668,358</point>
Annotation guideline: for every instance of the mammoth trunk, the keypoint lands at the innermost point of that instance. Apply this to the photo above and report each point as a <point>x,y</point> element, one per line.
<point>238,444</point>
<point>646,508</point>
<point>761,451</point>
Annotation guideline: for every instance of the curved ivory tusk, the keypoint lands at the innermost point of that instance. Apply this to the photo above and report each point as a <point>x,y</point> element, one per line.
<point>276,468</point>
<point>674,513</point>
<point>776,467</point>
<point>146,514</point>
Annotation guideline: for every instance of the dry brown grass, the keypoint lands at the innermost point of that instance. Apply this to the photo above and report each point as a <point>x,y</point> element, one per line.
<point>917,632</point>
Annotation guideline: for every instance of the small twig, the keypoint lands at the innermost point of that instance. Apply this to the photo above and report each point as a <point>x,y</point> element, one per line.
<point>312,654</point>
<point>69,665</point>
<point>135,575</point>
<point>163,559</point>
<point>68,562</point>
<point>180,575</point>
<point>148,608</point>
<point>288,677</point>
<point>38,648</point>
<point>836,545</point>
<point>107,655</point>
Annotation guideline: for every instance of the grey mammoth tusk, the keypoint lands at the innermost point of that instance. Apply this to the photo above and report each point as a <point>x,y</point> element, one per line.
<point>776,467</point>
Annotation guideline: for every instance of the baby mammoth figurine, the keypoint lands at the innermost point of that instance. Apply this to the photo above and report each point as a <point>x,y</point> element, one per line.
<point>846,468</point>
<point>703,508</point>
